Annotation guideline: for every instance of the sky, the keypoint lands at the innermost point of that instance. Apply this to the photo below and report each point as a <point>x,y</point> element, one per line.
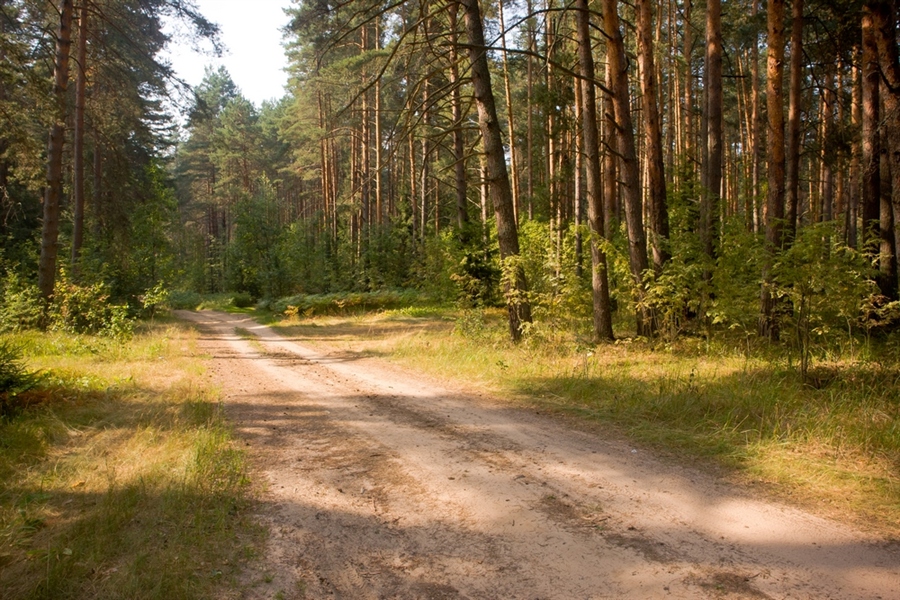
<point>254,56</point>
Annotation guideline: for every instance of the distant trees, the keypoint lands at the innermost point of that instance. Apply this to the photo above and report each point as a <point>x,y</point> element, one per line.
<point>113,121</point>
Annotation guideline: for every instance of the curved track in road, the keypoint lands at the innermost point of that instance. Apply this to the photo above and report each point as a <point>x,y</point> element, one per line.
<point>378,484</point>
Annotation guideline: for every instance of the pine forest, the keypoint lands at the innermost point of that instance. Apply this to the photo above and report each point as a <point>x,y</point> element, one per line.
<point>610,169</point>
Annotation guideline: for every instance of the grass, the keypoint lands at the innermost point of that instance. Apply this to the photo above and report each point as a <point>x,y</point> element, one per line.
<point>832,443</point>
<point>120,478</point>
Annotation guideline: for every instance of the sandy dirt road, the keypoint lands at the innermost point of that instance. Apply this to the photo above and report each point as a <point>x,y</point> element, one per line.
<point>378,484</point>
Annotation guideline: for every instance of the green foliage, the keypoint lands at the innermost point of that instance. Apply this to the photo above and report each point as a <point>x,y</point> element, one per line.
<point>20,303</point>
<point>736,279</point>
<point>476,278</point>
<point>87,309</point>
<point>154,298</point>
<point>345,303</point>
<point>826,284</point>
<point>438,270</point>
<point>15,377</point>
<point>254,264</point>
<point>186,300</point>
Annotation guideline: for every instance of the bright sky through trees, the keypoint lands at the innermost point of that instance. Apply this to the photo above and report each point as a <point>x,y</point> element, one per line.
<point>254,56</point>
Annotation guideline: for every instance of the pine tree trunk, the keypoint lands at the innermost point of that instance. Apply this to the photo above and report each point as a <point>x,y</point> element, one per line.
<point>637,241</point>
<point>97,183</point>
<point>78,138</point>
<point>793,122</point>
<point>513,151</point>
<point>530,108</point>
<point>688,126</point>
<point>578,183</point>
<point>885,19</point>
<point>658,212</point>
<point>602,311</point>
<point>53,192</point>
<point>4,143</point>
<point>853,237</point>
<point>871,140</point>
<point>496,174</point>
<point>712,170</point>
<point>610,164</point>
<point>459,157</point>
<point>379,183</point>
<point>774,213</point>
<point>755,133</point>
<point>828,186</point>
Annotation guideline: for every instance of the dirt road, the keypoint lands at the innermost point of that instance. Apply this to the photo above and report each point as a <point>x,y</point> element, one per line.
<point>380,485</point>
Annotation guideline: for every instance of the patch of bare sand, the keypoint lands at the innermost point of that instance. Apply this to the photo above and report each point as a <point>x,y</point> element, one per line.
<point>381,485</point>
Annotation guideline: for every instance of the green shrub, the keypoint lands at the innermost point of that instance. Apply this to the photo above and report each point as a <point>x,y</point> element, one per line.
<point>87,309</point>
<point>181,299</point>
<point>154,299</point>
<point>338,304</point>
<point>242,300</point>
<point>20,304</point>
<point>14,377</point>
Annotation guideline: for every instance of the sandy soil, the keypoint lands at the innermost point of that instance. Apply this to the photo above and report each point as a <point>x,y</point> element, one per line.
<point>379,484</point>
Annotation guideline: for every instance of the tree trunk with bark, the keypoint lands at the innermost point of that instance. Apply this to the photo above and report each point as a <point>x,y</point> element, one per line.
<point>712,170</point>
<point>871,140</point>
<point>602,311</point>
<point>884,13</point>
<point>657,209</point>
<point>774,212</point>
<point>78,138</point>
<point>53,192</point>
<point>496,174</point>
<point>637,241</point>
<point>459,158</point>
<point>793,122</point>
<point>755,137</point>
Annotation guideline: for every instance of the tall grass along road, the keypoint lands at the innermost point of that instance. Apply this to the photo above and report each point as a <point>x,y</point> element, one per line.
<point>381,483</point>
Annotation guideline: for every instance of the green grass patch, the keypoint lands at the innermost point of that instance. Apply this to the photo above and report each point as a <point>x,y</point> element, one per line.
<point>348,303</point>
<point>225,301</point>
<point>120,478</point>
<point>830,440</point>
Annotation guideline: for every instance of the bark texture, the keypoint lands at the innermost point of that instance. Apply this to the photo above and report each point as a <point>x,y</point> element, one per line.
<point>774,210</point>
<point>631,192</point>
<point>793,122</point>
<point>657,209</point>
<point>53,191</point>
<point>496,175</point>
<point>884,14</point>
<point>602,312</point>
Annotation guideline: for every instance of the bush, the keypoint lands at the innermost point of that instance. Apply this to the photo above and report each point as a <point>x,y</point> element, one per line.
<point>242,300</point>
<point>87,309</point>
<point>14,378</point>
<point>153,299</point>
<point>184,300</point>
<point>339,304</point>
<point>20,304</point>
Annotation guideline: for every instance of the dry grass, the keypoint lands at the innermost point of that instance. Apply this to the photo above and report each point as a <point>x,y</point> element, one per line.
<point>121,480</point>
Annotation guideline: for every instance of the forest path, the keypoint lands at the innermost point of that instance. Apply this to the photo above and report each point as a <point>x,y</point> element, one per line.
<point>381,484</point>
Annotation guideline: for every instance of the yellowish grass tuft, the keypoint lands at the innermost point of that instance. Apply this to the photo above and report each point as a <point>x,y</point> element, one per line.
<point>123,482</point>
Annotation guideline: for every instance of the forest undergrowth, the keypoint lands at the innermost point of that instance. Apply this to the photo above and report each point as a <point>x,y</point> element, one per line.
<point>118,474</point>
<point>826,436</point>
